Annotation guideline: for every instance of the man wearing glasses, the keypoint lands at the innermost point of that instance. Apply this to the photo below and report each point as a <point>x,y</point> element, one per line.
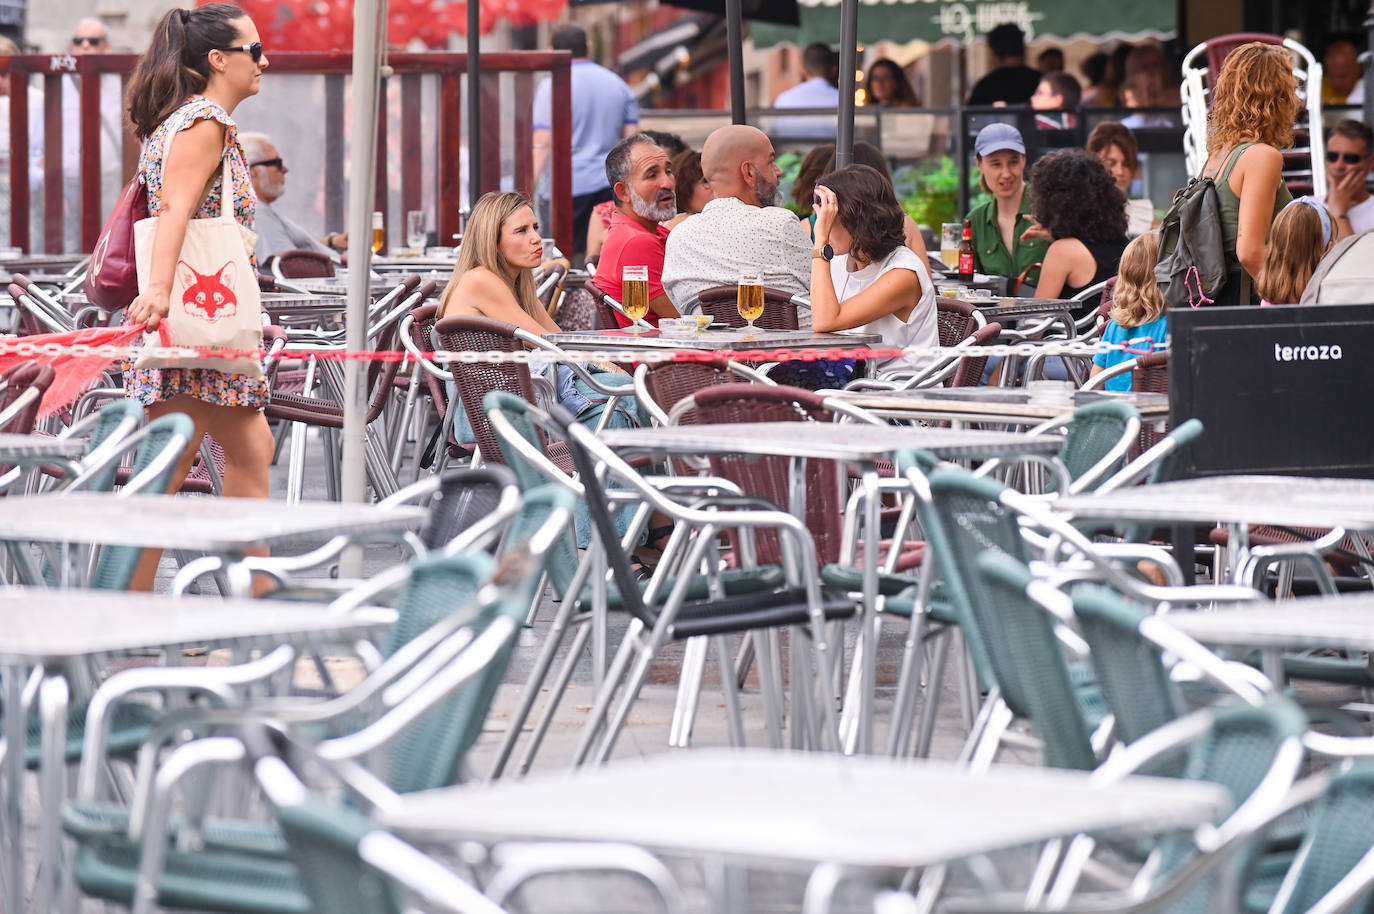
<point>1348,161</point>
<point>276,232</point>
<point>90,37</point>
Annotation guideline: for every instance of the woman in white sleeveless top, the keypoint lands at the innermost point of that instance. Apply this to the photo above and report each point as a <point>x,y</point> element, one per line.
<point>863,276</point>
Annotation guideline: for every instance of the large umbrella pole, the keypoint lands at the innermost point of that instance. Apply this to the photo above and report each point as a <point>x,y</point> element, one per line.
<point>734,41</point>
<point>474,104</point>
<point>849,66</point>
<point>369,30</point>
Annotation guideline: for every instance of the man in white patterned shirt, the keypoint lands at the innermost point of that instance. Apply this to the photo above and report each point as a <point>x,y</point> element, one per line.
<point>744,229</point>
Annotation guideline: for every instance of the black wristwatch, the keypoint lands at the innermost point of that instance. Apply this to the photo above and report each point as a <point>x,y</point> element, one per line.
<point>826,251</point>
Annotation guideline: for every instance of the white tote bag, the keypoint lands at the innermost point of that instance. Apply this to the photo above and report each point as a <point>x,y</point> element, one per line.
<point>215,300</point>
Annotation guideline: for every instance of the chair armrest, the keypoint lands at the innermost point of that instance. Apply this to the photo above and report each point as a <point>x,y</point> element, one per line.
<point>220,683</point>
<point>1097,381</point>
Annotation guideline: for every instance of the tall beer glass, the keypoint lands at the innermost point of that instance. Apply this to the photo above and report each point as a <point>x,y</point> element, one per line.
<point>634,294</point>
<point>749,297</point>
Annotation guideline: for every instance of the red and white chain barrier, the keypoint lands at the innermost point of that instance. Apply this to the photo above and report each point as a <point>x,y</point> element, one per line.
<point>22,349</point>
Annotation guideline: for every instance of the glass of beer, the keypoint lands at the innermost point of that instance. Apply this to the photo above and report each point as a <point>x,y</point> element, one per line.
<point>634,294</point>
<point>749,298</point>
<point>378,232</point>
<point>950,233</point>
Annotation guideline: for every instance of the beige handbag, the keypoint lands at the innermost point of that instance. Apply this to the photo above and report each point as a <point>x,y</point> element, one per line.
<point>215,300</point>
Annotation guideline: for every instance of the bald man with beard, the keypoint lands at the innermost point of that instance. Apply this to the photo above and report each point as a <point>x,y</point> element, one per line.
<point>744,229</point>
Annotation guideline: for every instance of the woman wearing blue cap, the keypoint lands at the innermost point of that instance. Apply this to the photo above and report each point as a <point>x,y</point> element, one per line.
<point>1000,224</point>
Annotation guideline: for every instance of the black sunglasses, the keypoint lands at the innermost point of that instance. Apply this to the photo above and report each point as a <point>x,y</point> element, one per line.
<point>1349,158</point>
<point>268,163</point>
<point>254,49</point>
<point>88,41</point>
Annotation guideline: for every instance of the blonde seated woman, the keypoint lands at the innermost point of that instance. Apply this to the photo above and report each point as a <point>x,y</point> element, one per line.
<point>494,277</point>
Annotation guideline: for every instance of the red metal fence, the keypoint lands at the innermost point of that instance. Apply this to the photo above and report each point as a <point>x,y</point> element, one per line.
<point>335,67</point>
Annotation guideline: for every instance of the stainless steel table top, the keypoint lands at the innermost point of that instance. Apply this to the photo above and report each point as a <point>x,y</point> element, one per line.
<point>997,403</point>
<point>1343,622</point>
<point>712,339</point>
<point>48,626</point>
<point>15,448</point>
<point>1299,501</point>
<point>803,808</point>
<point>1001,308</point>
<point>199,524</point>
<point>835,441</point>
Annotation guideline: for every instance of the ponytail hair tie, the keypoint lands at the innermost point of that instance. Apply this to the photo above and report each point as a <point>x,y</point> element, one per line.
<point>185,16</point>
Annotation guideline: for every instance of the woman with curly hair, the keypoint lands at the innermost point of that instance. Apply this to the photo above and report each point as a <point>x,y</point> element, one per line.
<point>1077,202</point>
<point>863,276</point>
<point>1254,104</point>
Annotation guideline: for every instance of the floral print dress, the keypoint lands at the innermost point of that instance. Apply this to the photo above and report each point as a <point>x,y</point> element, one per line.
<point>151,385</point>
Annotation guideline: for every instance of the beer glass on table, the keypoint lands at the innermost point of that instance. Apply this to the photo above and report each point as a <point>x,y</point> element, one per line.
<point>416,235</point>
<point>749,298</point>
<point>949,245</point>
<point>634,294</point>
<point>378,232</point>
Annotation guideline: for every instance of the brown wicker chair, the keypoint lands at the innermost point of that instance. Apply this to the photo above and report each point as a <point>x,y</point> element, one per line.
<point>722,303</point>
<point>470,333</point>
<point>769,477</point>
<point>300,263</point>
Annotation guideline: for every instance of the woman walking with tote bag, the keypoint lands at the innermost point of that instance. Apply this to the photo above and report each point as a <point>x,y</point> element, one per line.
<point>201,63</point>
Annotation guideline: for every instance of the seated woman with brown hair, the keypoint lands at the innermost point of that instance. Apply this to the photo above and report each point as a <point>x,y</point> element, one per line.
<point>1078,203</point>
<point>863,276</point>
<point>870,155</point>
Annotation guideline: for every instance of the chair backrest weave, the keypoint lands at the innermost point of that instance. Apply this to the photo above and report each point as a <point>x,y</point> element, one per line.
<point>1053,700</point>
<point>970,370</point>
<point>770,477</point>
<point>670,382</point>
<point>474,380</point>
<point>465,496</point>
<point>1094,431</point>
<point>954,320</point>
<point>1339,833</point>
<point>1130,669</point>
<point>963,520</point>
<point>325,841</point>
<point>722,303</point>
<point>300,263</point>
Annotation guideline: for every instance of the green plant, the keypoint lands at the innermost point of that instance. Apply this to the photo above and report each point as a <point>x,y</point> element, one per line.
<point>790,163</point>
<point>928,190</point>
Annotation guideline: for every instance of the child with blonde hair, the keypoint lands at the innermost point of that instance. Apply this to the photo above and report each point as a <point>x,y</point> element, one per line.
<point>1300,235</point>
<point>1137,318</point>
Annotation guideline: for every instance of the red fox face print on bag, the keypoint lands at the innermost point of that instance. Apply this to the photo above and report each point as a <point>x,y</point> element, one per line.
<point>210,296</point>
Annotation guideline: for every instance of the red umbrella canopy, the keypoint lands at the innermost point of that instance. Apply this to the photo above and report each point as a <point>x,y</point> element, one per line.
<point>326,25</point>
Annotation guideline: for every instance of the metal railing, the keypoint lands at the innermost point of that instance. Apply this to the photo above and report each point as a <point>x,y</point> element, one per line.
<point>400,184</point>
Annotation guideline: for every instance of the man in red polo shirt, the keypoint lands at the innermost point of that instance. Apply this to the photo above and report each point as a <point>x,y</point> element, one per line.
<point>645,197</point>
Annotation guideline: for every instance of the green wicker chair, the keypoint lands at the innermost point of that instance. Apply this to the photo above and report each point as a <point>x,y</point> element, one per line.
<point>963,520</point>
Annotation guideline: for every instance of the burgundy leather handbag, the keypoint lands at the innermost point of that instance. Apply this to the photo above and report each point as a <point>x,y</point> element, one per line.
<point>112,279</point>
